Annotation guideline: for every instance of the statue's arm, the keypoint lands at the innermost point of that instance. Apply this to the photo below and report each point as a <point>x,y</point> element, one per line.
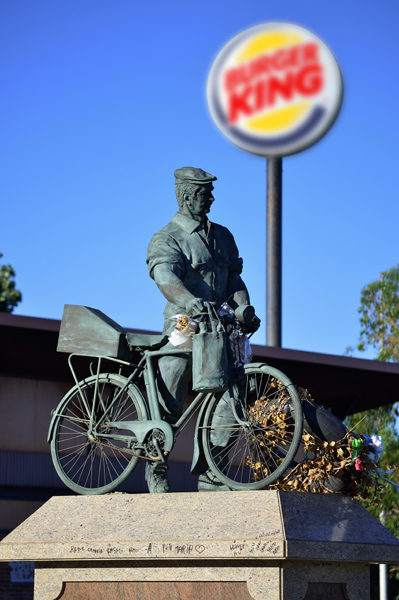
<point>166,276</point>
<point>237,291</point>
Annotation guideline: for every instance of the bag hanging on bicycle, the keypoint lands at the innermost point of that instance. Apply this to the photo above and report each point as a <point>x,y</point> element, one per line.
<point>210,363</point>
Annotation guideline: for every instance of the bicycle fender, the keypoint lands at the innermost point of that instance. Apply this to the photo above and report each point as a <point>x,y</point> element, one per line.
<point>142,428</point>
<point>56,411</point>
<point>258,365</point>
<point>199,462</point>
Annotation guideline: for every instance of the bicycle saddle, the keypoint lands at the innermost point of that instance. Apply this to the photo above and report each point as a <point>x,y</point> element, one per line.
<point>146,341</point>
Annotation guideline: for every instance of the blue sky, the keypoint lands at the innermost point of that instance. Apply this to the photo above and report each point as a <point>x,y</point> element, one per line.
<point>101,101</point>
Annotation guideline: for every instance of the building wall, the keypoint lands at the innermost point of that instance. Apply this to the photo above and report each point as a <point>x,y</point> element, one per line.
<point>16,581</point>
<point>26,406</point>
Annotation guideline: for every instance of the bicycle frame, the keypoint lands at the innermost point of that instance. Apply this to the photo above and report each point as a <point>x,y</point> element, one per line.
<point>139,429</point>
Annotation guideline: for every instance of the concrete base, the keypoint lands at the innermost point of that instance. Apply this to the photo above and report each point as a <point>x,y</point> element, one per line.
<point>264,545</point>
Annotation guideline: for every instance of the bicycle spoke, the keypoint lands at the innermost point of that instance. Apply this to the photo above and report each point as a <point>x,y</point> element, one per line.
<point>75,458</point>
<point>261,443</point>
<point>81,468</point>
<point>73,429</point>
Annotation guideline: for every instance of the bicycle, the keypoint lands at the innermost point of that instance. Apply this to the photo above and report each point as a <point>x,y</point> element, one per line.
<point>104,425</point>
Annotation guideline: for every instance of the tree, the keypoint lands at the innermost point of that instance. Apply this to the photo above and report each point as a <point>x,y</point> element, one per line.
<point>381,421</point>
<point>9,296</point>
<point>379,319</point>
<point>379,309</point>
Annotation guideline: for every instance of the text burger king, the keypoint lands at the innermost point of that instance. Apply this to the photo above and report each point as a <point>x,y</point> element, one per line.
<point>275,89</point>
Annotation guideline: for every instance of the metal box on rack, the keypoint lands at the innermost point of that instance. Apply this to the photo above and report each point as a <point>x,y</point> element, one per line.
<point>88,331</point>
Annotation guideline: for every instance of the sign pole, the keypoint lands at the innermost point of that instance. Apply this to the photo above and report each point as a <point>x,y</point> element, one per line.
<point>273,251</point>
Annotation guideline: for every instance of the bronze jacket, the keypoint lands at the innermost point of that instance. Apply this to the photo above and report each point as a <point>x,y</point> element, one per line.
<point>205,264</point>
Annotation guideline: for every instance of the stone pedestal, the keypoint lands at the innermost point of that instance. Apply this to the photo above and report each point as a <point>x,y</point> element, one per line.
<point>265,545</point>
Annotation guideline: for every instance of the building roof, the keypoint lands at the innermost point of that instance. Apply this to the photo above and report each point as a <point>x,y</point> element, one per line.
<point>343,384</point>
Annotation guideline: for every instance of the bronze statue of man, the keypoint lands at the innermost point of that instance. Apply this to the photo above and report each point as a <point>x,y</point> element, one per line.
<point>192,261</point>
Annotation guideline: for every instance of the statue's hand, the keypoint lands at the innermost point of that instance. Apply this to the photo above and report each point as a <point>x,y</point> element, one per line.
<point>195,307</point>
<point>252,326</point>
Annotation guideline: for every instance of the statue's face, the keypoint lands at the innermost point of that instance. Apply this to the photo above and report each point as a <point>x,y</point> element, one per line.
<point>200,202</point>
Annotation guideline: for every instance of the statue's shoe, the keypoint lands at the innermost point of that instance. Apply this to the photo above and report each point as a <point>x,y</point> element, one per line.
<point>207,482</point>
<point>155,476</point>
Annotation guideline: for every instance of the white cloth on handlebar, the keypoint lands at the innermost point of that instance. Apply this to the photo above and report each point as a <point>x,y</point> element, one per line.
<point>182,335</point>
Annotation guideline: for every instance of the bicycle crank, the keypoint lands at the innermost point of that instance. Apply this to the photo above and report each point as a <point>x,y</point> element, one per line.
<point>152,459</point>
<point>143,430</point>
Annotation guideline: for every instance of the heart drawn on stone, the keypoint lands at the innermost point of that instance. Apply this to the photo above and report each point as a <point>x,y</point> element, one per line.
<point>200,548</point>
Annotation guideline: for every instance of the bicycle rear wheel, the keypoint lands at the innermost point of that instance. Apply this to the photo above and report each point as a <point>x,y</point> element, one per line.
<point>85,461</point>
<point>258,448</point>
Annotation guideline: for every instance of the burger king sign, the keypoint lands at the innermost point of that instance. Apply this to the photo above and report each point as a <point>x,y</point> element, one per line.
<point>275,89</point>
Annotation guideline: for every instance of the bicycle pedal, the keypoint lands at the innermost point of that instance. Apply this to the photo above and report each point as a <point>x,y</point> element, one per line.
<point>161,466</point>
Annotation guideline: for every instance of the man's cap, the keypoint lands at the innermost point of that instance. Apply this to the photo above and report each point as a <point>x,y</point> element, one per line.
<point>193,175</point>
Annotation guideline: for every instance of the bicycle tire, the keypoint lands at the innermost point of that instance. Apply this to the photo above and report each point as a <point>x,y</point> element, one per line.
<point>254,455</point>
<point>84,465</point>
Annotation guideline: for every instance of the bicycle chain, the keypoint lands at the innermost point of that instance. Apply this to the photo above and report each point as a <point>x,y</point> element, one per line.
<point>125,451</point>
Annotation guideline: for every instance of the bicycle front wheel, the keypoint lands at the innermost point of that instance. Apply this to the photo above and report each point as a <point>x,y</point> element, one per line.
<point>256,449</point>
<point>85,461</point>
